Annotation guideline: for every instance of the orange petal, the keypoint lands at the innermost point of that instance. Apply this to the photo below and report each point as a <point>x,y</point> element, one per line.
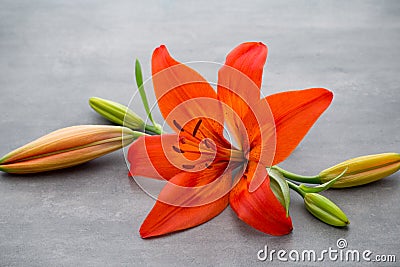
<point>260,209</point>
<point>249,58</point>
<point>186,191</point>
<point>183,94</point>
<point>261,130</point>
<point>150,156</point>
<point>295,112</point>
<point>239,82</point>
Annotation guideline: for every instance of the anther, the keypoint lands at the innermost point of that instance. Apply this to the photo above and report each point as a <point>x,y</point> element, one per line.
<point>178,126</point>
<point>178,149</point>
<point>196,128</point>
<point>206,143</point>
<point>187,166</point>
<point>182,140</point>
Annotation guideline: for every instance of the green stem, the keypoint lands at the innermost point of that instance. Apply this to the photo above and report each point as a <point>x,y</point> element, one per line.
<point>296,188</point>
<point>152,129</point>
<point>299,178</point>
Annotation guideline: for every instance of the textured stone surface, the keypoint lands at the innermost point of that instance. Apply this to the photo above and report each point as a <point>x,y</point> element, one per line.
<point>54,55</point>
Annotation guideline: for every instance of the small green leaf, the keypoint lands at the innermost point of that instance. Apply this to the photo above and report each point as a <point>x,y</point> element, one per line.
<point>322,187</point>
<point>280,188</point>
<point>139,82</point>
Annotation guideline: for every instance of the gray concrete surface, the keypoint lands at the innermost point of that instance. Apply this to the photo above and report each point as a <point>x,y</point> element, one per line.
<point>54,55</point>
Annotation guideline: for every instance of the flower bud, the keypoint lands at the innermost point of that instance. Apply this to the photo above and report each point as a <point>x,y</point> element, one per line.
<point>67,147</point>
<point>117,113</point>
<point>362,170</point>
<point>325,210</point>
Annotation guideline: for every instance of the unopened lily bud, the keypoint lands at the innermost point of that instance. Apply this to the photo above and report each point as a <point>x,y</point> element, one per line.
<point>117,113</point>
<point>362,170</point>
<point>67,147</point>
<point>325,210</point>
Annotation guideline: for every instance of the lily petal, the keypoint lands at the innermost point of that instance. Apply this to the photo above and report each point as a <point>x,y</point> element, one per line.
<point>260,209</point>
<point>262,135</point>
<point>151,156</point>
<point>249,58</point>
<point>183,94</point>
<point>295,112</point>
<point>184,212</point>
<point>239,82</point>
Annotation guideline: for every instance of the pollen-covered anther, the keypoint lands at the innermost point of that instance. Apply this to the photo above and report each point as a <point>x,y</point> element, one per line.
<point>178,126</point>
<point>209,143</point>
<point>206,143</point>
<point>188,166</point>
<point>196,128</point>
<point>178,150</point>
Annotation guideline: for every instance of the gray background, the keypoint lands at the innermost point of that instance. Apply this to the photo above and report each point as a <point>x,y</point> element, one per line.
<point>54,55</point>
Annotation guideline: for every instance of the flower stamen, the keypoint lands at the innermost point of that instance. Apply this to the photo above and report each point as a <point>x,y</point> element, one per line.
<point>178,126</point>
<point>196,128</point>
<point>178,149</point>
<point>188,167</point>
<point>206,143</point>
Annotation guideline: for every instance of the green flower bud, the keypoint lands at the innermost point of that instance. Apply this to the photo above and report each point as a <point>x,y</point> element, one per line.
<point>362,170</point>
<point>325,210</point>
<point>117,113</point>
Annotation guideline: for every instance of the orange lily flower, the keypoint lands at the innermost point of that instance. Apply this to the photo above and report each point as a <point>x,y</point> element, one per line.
<point>204,171</point>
